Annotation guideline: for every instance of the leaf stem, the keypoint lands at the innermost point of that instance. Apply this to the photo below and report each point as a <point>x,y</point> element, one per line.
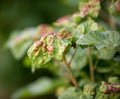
<point>91,67</point>
<point>73,79</point>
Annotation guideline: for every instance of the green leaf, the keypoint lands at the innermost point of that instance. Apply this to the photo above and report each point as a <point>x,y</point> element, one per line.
<point>19,41</point>
<point>110,39</point>
<point>106,53</point>
<point>42,86</point>
<point>50,45</point>
<point>115,68</point>
<point>85,27</point>
<point>70,93</point>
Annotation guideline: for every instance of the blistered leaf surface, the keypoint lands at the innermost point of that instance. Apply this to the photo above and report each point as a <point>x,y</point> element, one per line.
<point>50,45</point>
<point>89,8</point>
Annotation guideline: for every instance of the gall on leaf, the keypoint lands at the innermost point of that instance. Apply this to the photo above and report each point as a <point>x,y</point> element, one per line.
<point>89,8</point>
<point>49,46</point>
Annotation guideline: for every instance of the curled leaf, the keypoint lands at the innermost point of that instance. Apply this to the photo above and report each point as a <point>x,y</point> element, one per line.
<point>51,45</point>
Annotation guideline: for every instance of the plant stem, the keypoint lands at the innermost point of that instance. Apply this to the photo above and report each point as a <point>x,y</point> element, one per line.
<point>63,70</point>
<point>72,56</point>
<point>97,60</point>
<point>73,79</point>
<point>91,67</point>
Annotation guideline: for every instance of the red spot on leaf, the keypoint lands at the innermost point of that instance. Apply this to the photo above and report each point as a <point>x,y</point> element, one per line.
<point>44,47</point>
<point>50,49</point>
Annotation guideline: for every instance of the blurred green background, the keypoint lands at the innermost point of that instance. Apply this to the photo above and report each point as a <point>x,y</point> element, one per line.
<point>19,14</point>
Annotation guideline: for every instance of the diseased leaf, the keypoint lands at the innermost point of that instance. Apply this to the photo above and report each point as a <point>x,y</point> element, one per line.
<point>109,90</point>
<point>19,41</point>
<point>70,93</point>
<point>110,39</point>
<point>50,45</point>
<point>89,8</point>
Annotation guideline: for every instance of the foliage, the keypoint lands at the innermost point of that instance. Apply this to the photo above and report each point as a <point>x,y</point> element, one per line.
<point>81,45</point>
<point>42,86</point>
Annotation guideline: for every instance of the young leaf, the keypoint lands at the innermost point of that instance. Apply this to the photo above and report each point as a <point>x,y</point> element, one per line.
<point>85,27</point>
